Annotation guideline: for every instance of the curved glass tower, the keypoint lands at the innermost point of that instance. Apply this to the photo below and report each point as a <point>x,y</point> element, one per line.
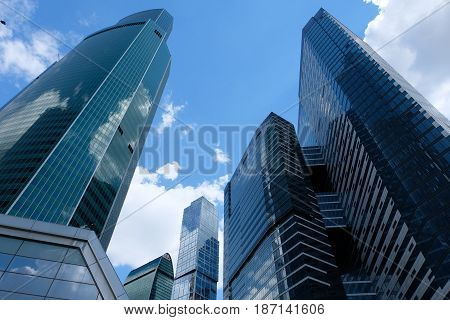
<point>152,281</point>
<point>72,138</point>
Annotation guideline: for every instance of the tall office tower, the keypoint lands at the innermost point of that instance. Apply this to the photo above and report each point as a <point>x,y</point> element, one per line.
<point>198,258</point>
<point>276,245</point>
<point>152,281</point>
<point>71,139</point>
<point>386,150</point>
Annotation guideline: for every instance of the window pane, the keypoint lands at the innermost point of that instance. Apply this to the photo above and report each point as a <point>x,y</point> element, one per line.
<point>17,296</point>
<point>73,256</point>
<point>9,245</point>
<point>42,251</point>
<point>34,267</point>
<point>24,284</point>
<point>72,290</point>
<point>5,259</point>
<point>72,272</point>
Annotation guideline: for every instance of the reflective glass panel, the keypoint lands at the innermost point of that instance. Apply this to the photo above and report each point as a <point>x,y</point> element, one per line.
<point>72,290</point>
<point>34,267</point>
<point>20,283</point>
<point>42,251</point>
<point>71,272</point>
<point>9,245</point>
<point>5,259</point>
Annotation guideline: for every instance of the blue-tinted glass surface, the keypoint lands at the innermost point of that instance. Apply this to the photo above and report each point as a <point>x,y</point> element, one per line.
<point>152,281</point>
<point>29,273</point>
<point>5,259</point>
<point>276,245</point>
<point>74,273</point>
<point>45,251</point>
<point>198,259</point>
<point>34,267</point>
<point>25,284</point>
<point>386,150</point>
<point>63,158</point>
<point>9,245</point>
<point>72,290</point>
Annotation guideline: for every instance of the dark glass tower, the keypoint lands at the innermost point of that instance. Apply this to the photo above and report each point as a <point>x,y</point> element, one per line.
<point>152,281</point>
<point>386,151</point>
<point>198,258</point>
<point>70,141</point>
<point>276,244</point>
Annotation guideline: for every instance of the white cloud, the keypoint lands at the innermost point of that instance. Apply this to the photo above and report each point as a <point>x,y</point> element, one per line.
<point>220,156</point>
<point>155,229</point>
<point>168,116</point>
<point>24,52</point>
<point>421,54</point>
<point>169,170</point>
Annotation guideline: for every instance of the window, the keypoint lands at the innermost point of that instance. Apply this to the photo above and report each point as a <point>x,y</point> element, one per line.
<point>130,148</point>
<point>9,245</point>
<point>72,290</point>
<point>71,272</point>
<point>120,130</point>
<point>73,256</point>
<point>5,259</point>
<point>17,296</point>
<point>24,284</point>
<point>158,34</point>
<point>42,251</point>
<point>34,267</point>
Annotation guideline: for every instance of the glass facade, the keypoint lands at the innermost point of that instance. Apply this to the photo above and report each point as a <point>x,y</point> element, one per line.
<point>72,138</point>
<point>386,150</point>
<point>152,281</point>
<point>276,244</point>
<point>198,259</point>
<point>48,261</point>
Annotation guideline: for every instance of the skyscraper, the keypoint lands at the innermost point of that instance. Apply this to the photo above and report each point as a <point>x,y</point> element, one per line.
<point>386,151</point>
<point>198,258</point>
<point>152,281</point>
<point>72,138</point>
<point>276,245</point>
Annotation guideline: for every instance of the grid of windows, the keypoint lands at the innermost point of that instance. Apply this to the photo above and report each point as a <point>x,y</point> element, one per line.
<point>152,281</point>
<point>387,151</point>
<point>276,246</point>
<point>63,129</point>
<point>198,259</point>
<point>36,270</point>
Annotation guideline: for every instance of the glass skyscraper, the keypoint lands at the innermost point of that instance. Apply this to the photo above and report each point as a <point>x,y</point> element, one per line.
<point>152,281</point>
<point>70,141</point>
<point>198,258</point>
<point>276,244</point>
<point>386,152</point>
<point>360,208</point>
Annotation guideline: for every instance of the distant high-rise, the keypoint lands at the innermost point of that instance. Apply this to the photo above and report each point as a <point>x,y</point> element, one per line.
<point>386,153</point>
<point>152,281</point>
<point>71,140</point>
<point>198,258</point>
<point>276,245</point>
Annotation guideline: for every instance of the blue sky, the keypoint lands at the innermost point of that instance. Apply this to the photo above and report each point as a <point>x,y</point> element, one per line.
<point>233,62</point>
